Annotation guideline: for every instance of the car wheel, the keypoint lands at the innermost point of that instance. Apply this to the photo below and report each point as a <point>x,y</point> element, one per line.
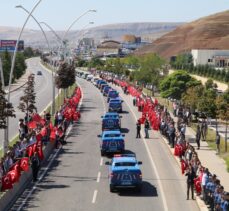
<point>139,189</point>
<point>102,153</point>
<point>112,188</point>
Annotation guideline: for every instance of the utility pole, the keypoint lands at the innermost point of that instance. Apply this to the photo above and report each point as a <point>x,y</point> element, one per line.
<point>2,75</point>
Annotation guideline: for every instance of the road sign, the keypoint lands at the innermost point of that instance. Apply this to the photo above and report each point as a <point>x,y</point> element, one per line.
<point>9,45</point>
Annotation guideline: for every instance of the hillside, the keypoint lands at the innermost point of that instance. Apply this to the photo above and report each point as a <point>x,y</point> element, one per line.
<point>149,31</point>
<point>208,32</point>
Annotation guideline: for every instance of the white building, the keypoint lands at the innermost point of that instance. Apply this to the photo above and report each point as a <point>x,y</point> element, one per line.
<point>216,58</point>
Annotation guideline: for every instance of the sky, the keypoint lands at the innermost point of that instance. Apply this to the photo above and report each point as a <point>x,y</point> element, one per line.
<point>59,14</point>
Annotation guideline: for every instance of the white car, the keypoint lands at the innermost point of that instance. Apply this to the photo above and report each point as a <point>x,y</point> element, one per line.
<point>89,77</point>
<point>94,80</point>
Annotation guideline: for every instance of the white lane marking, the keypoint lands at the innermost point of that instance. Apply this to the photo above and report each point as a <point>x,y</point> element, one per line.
<point>50,163</point>
<point>101,162</point>
<point>94,197</point>
<point>98,177</point>
<point>152,162</point>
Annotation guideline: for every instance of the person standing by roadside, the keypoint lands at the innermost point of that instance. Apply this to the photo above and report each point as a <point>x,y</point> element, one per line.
<point>138,127</point>
<point>217,142</point>
<point>190,181</point>
<point>35,164</point>
<point>204,128</point>
<point>198,135</point>
<point>146,126</point>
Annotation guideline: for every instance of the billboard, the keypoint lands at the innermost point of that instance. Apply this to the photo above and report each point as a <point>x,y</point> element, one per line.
<point>9,45</point>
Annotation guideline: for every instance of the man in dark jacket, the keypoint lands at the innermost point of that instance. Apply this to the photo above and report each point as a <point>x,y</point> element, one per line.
<point>35,164</point>
<point>146,126</point>
<point>198,136</point>
<point>138,127</point>
<point>190,181</point>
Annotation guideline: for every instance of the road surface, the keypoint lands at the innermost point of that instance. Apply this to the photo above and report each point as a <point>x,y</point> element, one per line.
<point>78,179</point>
<point>43,89</point>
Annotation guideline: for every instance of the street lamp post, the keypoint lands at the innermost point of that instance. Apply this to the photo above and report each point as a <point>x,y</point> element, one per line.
<point>72,24</point>
<point>53,81</point>
<point>6,138</point>
<point>2,75</point>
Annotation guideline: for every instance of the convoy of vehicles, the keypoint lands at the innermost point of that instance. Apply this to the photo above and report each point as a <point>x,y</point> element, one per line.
<point>124,169</point>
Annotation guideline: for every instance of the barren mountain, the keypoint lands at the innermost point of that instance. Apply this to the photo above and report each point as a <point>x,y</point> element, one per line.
<point>208,32</point>
<point>149,31</point>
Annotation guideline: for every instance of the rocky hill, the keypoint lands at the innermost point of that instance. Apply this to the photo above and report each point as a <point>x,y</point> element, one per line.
<point>208,32</point>
<point>149,31</point>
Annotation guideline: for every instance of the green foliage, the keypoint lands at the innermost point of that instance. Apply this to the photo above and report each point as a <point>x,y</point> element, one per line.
<point>207,103</point>
<point>192,96</point>
<point>151,68</point>
<point>28,100</point>
<point>222,103</point>
<point>177,83</point>
<point>182,61</point>
<point>20,65</point>
<point>6,109</point>
<point>19,69</point>
<point>65,76</point>
<point>28,52</point>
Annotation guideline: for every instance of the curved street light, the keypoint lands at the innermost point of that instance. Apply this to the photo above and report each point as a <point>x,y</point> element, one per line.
<point>53,84</point>
<point>52,30</point>
<point>6,141</point>
<point>72,24</point>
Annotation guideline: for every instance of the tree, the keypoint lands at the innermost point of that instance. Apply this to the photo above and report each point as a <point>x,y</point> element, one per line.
<point>28,101</point>
<point>65,76</point>
<point>176,84</point>
<point>20,65</point>
<point>28,52</point>
<point>192,96</point>
<point>222,103</point>
<point>209,84</point>
<point>6,109</point>
<point>6,65</point>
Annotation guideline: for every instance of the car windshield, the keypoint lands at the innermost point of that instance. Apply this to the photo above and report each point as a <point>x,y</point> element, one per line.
<point>111,135</point>
<point>125,164</point>
<point>115,101</point>
<point>111,116</point>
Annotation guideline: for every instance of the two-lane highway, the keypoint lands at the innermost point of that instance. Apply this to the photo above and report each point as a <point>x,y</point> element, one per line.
<point>78,178</point>
<point>43,89</point>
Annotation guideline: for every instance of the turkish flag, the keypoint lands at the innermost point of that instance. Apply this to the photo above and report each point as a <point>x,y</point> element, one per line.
<point>183,166</point>
<point>30,150</point>
<point>16,167</point>
<point>53,134</point>
<point>40,150</point>
<point>38,137</point>
<point>32,124</point>
<point>7,182</point>
<point>43,131</point>
<point>24,164</point>
<point>14,176</point>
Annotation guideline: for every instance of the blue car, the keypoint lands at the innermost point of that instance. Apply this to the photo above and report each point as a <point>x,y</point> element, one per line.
<point>106,89</point>
<point>111,121</point>
<point>112,94</point>
<point>115,105</point>
<point>112,142</point>
<point>124,172</point>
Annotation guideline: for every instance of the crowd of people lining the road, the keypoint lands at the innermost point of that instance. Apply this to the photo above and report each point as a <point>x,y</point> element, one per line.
<point>34,132</point>
<point>199,179</point>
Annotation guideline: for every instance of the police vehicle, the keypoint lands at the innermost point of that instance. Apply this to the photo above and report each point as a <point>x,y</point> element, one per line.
<point>115,104</point>
<point>106,89</point>
<point>111,142</point>
<point>111,121</point>
<point>124,172</point>
<point>112,94</point>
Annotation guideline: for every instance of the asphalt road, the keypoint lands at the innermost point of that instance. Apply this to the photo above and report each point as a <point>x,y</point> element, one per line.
<point>78,179</point>
<point>43,88</point>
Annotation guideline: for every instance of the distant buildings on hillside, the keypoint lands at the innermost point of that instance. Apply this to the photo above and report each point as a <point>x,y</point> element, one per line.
<point>216,58</point>
<point>108,47</point>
